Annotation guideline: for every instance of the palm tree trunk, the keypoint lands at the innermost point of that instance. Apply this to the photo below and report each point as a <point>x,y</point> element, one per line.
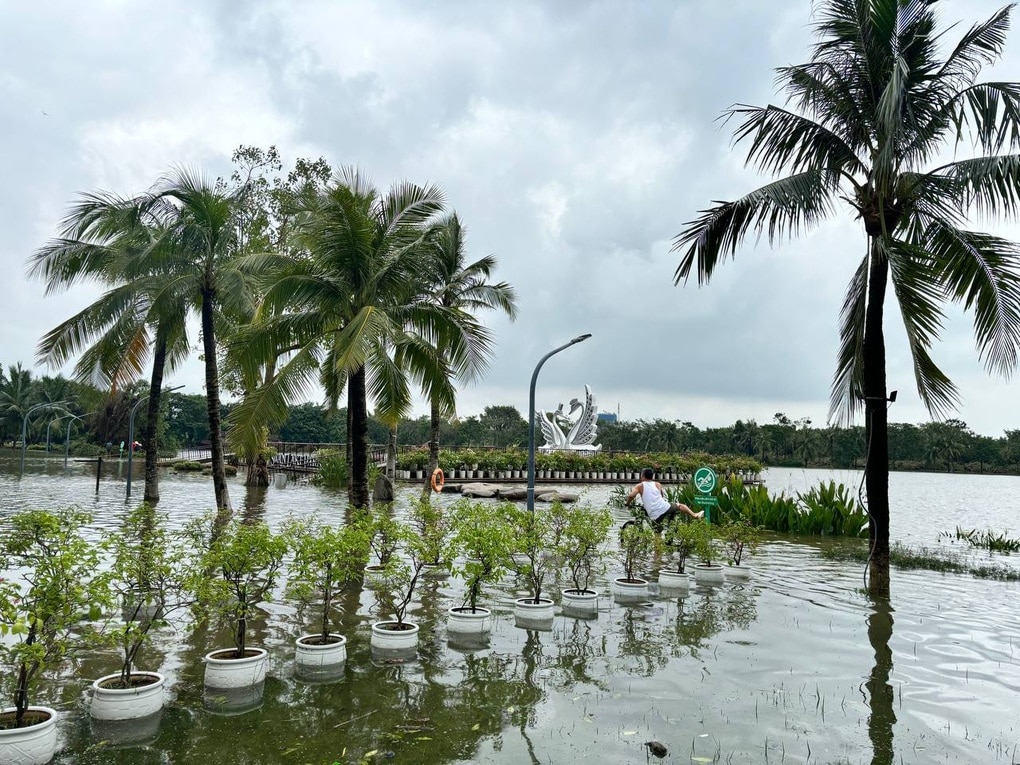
<point>358,438</point>
<point>434,436</point>
<point>876,469</point>
<point>151,494</point>
<point>212,399</point>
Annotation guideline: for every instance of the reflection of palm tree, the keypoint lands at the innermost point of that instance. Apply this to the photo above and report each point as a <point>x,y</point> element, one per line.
<point>882,717</point>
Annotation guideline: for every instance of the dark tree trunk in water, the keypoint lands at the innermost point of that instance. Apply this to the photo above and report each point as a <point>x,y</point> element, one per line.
<point>151,435</point>
<point>876,470</point>
<point>391,455</point>
<point>348,453</point>
<point>358,438</point>
<point>258,472</point>
<point>212,398</point>
<point>434,423</point>
<point>880,692</point>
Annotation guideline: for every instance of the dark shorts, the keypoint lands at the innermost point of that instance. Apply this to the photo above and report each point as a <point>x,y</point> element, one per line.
<point>660,523</point>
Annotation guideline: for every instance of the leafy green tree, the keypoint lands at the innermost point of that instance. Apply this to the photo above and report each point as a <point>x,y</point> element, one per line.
<point>343,304</point>
<point>869,113</point>
<point>114,242</point>
<point>462,289</point>
<point>17,396</point>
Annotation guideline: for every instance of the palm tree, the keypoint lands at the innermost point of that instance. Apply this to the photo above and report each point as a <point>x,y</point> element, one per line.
<point>17,396</point>
<point>341,303</point>
<point>867,116</point>
<point>461,290</point>
<point>115,241</point>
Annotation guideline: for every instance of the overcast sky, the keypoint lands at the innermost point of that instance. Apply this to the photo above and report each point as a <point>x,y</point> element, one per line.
<point>574,139</point>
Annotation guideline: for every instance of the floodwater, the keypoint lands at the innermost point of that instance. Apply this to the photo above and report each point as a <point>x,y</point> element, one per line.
<point>799,665</point>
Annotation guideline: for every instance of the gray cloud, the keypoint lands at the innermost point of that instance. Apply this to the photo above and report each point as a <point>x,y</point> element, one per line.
<point>574,138</point>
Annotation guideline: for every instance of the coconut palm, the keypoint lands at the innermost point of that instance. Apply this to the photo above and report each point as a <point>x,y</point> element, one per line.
<point>17,397</point>
<point>866,120</point>
<point>461,289</point>
<point>341,304</point>
<point>115,241</point>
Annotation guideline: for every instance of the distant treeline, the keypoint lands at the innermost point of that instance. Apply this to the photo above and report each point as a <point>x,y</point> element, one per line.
<point>104,418</point>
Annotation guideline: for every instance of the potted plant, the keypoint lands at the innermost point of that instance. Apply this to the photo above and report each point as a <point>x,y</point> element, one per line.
<point>533,560</point>
<point>707,571</point>
<point>580,548</point>
<point>54,588</point>
<point>484,536</point>
<point>326,559</point>
<point>385,540</point>
<point>680,540</point>
<point>740,538</point>
<point>637,542</point>
<point>434,527</point>
<point>395,590</point>
<point>239,571</point>
<point>149,577</point>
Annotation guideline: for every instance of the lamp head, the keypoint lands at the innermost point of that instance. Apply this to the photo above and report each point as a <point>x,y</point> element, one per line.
<point>580,338</point>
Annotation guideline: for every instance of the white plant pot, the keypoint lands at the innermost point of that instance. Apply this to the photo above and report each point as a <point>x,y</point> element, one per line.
<point>527,609</point>
<point>671,580</point>
<point>579,601</point>
<point>385,638</point>
<point>434,571</point>
<point>465,621</point>
<point>738,571</point>
<point>310,653</point>
<point>630,589</point>
<point>127,703</point>
<point>374,575</point>
<point>708,574</point>
<point>33,745</point>
<point>223,672</point>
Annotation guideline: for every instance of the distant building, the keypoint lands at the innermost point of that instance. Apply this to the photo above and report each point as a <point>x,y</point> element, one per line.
<point>607,416</point>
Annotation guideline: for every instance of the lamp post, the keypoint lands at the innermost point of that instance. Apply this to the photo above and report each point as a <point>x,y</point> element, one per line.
<point>24,427</point>
<point>67,440</point>
<point>531,417</point>
<point>131,436</point>
<point>49,426</point>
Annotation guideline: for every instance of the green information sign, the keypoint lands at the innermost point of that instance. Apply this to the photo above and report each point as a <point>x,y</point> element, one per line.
<point>705,480</point>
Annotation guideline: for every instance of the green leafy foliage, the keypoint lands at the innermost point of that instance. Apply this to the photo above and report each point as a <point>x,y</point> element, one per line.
<point>582,540</point>
<point>681,538</point>
<point>332,469</point>
<point>58,587</point>
<point>740,538</point>
<point>533,550</point>
<point>326,559</point>
<point>637,543</point>
<point>244,561</point>
<point>484,538</point>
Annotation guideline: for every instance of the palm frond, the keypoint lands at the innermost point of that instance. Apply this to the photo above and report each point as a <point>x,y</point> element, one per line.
<point>982,272</point>
<point>846,396</point>
<point>782,208</point>
<point>919,293</point>
<point>983,44</point>
<point>989,113</point>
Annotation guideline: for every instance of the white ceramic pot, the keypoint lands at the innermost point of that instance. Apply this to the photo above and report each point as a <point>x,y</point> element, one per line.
<point>528,609</point>
<point>386,638</point>
<point>221,671</point>
<point>434,571</point>
<point>738,571</point>
<point>630,589</point>
<point>579,601</point>
<point>374,575</point>
<point>465,620</point>
<point>671,580</point>
<point>708,574</point>
<point>127,703</point>
<point>33,745</point>
<point>310,653</point>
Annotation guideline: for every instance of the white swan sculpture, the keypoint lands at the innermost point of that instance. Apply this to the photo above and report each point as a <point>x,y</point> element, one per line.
<point>563,434</point>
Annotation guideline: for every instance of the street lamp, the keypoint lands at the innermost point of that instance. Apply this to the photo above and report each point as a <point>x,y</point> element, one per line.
<point>131,436</point>
<point>67,440</point>
<point>24,426</point>
<point>531,417</point>
<point>49,426</point>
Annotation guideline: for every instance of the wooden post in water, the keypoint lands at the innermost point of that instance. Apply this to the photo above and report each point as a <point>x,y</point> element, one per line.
<point>99,471</point>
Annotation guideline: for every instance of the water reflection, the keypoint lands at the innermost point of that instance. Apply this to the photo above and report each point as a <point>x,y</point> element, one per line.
<point>880,692</point>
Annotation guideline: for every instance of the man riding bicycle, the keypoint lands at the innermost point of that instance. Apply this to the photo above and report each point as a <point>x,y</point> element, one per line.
<point>659,510</point>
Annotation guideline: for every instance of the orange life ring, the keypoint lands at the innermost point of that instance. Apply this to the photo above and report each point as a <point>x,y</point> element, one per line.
<point>438,480</point>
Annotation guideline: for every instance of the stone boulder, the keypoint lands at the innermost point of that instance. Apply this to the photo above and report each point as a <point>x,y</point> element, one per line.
<point>562,496</point>
<point>383,489</point>
<point>513,494</point>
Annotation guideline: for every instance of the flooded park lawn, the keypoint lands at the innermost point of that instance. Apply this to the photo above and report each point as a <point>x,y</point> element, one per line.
<point>797,665</point>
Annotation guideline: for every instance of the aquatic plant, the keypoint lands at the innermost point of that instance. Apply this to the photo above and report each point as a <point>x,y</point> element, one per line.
<point>986,540</point>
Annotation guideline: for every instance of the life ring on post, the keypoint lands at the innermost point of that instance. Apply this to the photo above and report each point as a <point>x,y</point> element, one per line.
<point>438,480</point>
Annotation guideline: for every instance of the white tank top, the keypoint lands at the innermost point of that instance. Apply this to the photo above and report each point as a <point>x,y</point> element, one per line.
<point>655,504</point>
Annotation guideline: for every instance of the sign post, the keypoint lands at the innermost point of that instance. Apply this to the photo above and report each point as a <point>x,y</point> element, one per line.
<point>705,481</point>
